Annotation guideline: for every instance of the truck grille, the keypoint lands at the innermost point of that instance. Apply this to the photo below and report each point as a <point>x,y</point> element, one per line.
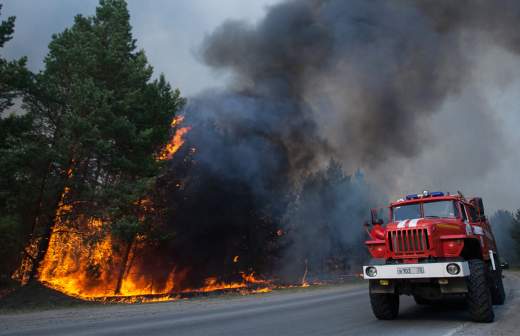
<point>408,241</point>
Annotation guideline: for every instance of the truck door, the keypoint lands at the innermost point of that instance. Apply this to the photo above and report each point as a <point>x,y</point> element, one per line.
<point>480,229</point>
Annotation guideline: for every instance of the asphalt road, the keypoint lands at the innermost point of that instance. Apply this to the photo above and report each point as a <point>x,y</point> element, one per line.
<point>338,310</point>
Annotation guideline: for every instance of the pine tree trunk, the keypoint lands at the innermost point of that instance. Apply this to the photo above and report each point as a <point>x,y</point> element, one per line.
<point>34,260</point>
<point>27,258</point>
<point>43,244</point>
<point>124,267</point>
<point>43,247</point>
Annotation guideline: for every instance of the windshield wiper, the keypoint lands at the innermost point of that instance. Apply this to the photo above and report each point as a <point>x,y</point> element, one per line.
<point>432,216</point>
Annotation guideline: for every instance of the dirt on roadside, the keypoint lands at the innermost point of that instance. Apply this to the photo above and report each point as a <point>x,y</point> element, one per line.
<point>36,296</point>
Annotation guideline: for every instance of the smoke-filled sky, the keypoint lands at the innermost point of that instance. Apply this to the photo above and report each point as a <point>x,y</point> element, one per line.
<point>418,96</point>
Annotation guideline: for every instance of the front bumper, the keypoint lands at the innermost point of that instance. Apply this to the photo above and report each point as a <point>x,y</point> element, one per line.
<point>417,271</point>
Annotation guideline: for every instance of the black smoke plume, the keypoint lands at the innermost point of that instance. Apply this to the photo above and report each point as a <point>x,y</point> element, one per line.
<point>355,82</point>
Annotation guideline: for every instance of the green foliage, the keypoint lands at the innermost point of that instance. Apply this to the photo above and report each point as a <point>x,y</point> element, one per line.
<point>14,76</point>
<point>16,158</point>
<point>95,120</point>
<point>6,29</point>
<point>126,228</point>
<point>14,80</point>
<point>11,238</point>
<point>100,111</point>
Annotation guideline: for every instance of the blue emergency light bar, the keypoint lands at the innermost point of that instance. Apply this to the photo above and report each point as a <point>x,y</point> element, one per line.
<point>425,194</point>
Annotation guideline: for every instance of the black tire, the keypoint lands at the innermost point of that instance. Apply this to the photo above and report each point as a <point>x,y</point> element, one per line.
<point>385,306</point>
<point>421,301</point>
<point>479,298</point>
<point>498,293</point>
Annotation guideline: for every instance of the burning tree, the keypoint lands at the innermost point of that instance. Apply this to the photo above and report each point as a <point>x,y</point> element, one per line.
<point>99,121</point>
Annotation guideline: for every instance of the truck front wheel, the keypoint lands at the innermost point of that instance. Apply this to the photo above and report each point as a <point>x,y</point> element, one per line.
<point>385,306</point>
<point>479,298</point>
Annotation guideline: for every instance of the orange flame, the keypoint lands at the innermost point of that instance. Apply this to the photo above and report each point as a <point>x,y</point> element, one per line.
<point>85,261</point>
<point>176,141</point>
<point>212,284</point>
<point>304,277</point>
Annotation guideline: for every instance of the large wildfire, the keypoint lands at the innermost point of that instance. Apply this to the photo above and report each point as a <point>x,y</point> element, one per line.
<point>262,184</point>
<point>84,260</point>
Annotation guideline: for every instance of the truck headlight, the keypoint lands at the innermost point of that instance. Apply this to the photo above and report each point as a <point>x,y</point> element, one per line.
<point>453,269</point>
<point>371,271</point>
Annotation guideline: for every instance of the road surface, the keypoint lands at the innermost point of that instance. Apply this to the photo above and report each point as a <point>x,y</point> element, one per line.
<point>337,310</point>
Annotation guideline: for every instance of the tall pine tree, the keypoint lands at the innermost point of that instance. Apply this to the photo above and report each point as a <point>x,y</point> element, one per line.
<point>13,74</point>
<point>15,183</point>
<point>100,120</point>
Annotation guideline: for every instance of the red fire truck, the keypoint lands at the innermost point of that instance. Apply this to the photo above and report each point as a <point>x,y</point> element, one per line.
<point>434,246</point>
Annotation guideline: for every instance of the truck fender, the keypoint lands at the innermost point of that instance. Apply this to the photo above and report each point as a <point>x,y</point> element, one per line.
<point>472,249</point>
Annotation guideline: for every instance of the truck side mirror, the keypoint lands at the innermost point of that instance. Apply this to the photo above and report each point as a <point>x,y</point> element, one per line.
<point>375,217</point>
<point>479,206</point>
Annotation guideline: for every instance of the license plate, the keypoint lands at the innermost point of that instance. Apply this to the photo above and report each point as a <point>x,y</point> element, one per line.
<point>410,270</point>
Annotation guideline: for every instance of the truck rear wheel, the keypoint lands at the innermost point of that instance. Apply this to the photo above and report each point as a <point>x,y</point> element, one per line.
<point>498,293</point>
<point>385,306</point>
<point>479,294</point>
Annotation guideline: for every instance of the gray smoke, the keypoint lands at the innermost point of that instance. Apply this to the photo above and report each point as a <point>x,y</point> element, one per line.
<point>365,76</point>
<point>385,86</point>
<point>366,72</point>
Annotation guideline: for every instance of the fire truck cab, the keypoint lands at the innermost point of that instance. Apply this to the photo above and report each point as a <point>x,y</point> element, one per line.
<point>434,246</point>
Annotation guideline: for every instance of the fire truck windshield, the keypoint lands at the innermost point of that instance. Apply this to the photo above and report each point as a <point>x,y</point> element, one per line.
<point>404,212</point>
<point>439,209</point>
